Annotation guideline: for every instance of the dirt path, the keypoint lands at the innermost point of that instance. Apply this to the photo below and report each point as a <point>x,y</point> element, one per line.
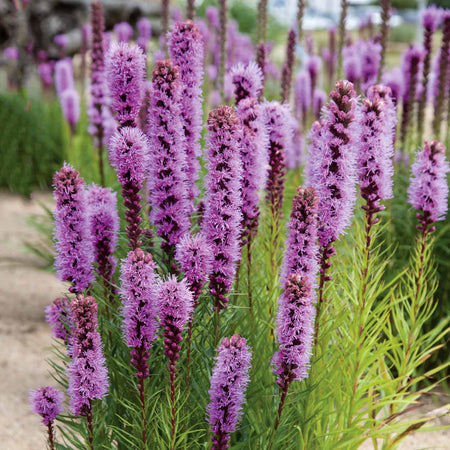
<point>25,290</point>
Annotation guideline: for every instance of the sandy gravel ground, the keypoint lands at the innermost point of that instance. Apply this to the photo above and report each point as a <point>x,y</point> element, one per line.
<point>25,289</point>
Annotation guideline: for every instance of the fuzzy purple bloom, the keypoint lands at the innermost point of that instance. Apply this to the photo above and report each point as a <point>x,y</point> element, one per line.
<point>176,305</point>
<point>303,95</point>
<point>124,31</point>
<point>125,69</point>
<point>129,151</point>
<point>314,65</point>
<point>229,382</point>
<point>187,52</point>
<point>74,252</point>
<point>57,315</point>
<point>195,257</point>
<point>222,217</point>
<point>295,331</point>
<point>431,18</point>
<point>394,80</point>
<point>64,76</point>
<point>167,186</point>
<point>144,27</point>
<point>47,401</point>
<point>333,161</point>
<point>371,59</point>
<point>254,147</point>
<point>428,189</point>
<point>45,71</point>
<point>140,307</point>
<point>88,375</point>
<point>301,249</point>
<point>288,67</point>
<point>61,40</point>
<point>70,105</point>
<point>279,127</point>
<point>319,99</point>
<point>384,93</point>
<point>375,155</point>
<point>104,227</point>
<point>247,80</point>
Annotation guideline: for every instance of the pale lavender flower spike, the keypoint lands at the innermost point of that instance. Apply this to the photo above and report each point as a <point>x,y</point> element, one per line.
<point>70,104</point>
<point>88,376</point>
<point>124,31</point>
<point>229,382</point>
<point>57,315</point>
<point>74,250</point>
<point>302,90</point>
<point>295,331</point>
<point>187,52</point>
<point>247,80</point>
<point>64,76</point>
<point>125,69</point>
<point>428,190</point>
<point>47,401</point>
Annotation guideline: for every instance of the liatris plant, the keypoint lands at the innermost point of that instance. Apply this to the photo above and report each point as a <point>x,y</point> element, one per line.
<point>223,19</point>
<point>303,95</point>
<point>64,76</point>
<point>98,83</point>
<point>176,304</point>
<point>384,93</point>
<point>319,99</point>
<point>58,316</point>
<point>385,28</point>
<point>144,27</point>
<point>129,150</point>
<point>167,185</point>
<point>187,52</point>
<point>88,376</point>
<point>140,310</point>
<point>261,61</point>
<point>222,217</point>
<point>295,333</point>
<point>124,31</point>
<point>47,401</point>
<point>431,18</point>
<point>313,66</point>
<point>229,382</point>
<point>288,68</point>
<point>301,4</point>
<point>332,165</point>
<point>125,69</point>
<point>247,80</point>
<point>70,105</point>
<point>104,228</point>
<point>74,251</point>
<point>411,64</point>
<point>444,69</point>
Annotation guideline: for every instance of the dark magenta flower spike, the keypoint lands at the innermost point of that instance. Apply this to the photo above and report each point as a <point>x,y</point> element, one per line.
<point>167,181</point>
<point>187,52</point>
<point>288,68</point>
<point>229,382</point>
<point>74,249</point>
<point>247,80</point>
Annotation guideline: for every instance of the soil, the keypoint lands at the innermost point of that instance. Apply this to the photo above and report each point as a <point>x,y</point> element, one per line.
<point>25,290</point>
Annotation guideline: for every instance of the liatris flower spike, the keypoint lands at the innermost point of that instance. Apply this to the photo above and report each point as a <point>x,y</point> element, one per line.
<point>229,382</point>
<point>247,80</point>
<point>187,52</point>
<point>125,69</point>
<point>64,76</point>
<point>88,376</point>
<point>104,227</point>
<point>129,150</point>
<point>428,190</point>
<point>58,316</point>
<point>74,250</point>
<point>167,186</point>
<point>176,305</point>
<point>124,31</point>
<point>70,105</point>
<point>222,218</point>
<point>47,401</point>
<point>144,27</point>
<point>288,67</point>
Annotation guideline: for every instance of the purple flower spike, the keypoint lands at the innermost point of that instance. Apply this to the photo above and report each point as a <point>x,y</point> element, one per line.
<point>314,66</point>
<point>295,331</point>
<point>70,104</point>
<point>428,190</point>
<point>88,376</point>
<point>431,18</point>
<point>302,90</point>
<point>129,149</point>
<point>57,315</point>
<point>394,80</point>
<point>124,31</point>
<point>167,177</point>
<point>47,401</point>
<point>247,80</point>
<point>319,99</point>
<point>104,227</point>
<point>288,67</point>
<point>74,252</point>
<point>229,382</point>
<point>384,94</point>
<point>187,52</point>
<point>176,305</point>
<point>301,249</point>
<point>61,40</point>
<point>222,217</point>
<point>333,161</point>
<point>279,127</point>
<point>144,27</point>
<point>140,307</point>
<point>195,258</point>
<point>64,76</point>
<point>125,68</point>
<point>254,146</point>
<point>45,71</point>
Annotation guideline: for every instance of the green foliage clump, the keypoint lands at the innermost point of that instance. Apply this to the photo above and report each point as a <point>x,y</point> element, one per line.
<point>32,142</point>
